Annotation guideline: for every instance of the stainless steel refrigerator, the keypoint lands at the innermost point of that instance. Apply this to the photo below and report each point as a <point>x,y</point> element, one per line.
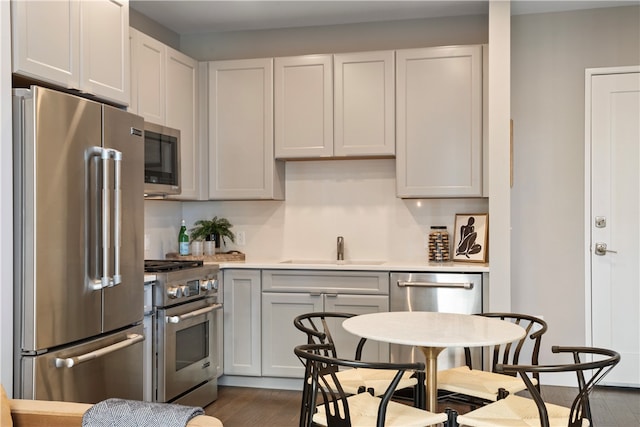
<point>78,236</point>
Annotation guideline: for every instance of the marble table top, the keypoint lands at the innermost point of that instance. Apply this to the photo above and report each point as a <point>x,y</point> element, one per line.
<point>432,329</point>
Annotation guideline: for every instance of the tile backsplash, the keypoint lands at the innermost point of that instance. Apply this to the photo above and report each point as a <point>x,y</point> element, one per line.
<point>324,199</point>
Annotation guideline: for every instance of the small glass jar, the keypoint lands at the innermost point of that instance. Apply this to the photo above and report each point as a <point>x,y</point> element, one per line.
<point>439,244</point>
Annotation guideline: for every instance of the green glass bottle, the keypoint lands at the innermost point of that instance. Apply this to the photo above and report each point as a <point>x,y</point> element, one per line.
<point>183,239</point>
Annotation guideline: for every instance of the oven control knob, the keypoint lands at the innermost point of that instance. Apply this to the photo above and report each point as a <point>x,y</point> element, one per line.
<point>214,284</point>
<point>174,292</point>
<point>185,290</point>
<point>205,285</point>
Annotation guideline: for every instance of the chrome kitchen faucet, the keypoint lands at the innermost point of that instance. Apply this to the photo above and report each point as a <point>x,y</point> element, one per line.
<point>340,248</point>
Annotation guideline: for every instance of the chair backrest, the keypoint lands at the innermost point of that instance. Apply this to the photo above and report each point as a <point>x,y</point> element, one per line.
<point>510,353</point>
<point>603,361</point>
<point>322,382</point>
<point>316,326</point>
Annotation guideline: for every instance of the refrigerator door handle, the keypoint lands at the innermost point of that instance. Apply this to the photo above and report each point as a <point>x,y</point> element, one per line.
<point>107,154</point>
<point>106,219</point>
<point>464,285</point>
<point>117,216</point>
<point>70,362</point>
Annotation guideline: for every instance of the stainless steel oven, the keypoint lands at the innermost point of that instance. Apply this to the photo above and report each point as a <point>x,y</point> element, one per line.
<point>186,333</point>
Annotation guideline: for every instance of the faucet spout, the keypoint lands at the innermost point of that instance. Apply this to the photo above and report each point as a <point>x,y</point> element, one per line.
<point>340,248</point>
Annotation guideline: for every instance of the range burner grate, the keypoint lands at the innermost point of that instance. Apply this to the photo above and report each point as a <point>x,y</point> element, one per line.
<point>164,265</point>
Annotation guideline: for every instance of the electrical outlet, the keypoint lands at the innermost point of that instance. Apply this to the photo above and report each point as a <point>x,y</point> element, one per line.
<point>240,238</point>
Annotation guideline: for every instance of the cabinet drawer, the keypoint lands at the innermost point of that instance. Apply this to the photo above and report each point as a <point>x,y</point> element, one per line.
<point>352,282</point>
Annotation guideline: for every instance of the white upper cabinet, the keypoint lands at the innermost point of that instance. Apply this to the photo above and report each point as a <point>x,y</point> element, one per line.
<point>364,112</point>
<point>439,122</point>
<point>104,49</point>
<point>304,106</point>
<point>148,77</point>
<point>182,112</point>
<point>75,45</point>
<point>335,105</point>
<point>165,91</point>
<point>241,157</point>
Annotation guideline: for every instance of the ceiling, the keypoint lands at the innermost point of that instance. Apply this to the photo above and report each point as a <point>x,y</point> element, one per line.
<point>206,16</point>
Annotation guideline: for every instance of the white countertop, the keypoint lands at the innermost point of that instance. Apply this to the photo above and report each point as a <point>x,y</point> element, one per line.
<point>360,266</point>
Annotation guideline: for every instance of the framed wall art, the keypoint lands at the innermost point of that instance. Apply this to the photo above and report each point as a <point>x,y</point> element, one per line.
<point>471,233</point>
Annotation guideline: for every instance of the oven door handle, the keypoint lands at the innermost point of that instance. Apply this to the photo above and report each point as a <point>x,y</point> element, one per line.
<point>464,285</point>
<point>191,314</point>
<point>70,362</point>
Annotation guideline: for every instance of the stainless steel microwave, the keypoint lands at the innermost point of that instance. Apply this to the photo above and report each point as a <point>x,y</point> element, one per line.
<point>161,160</point>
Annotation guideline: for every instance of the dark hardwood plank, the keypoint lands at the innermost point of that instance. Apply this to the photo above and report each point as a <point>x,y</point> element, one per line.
<point>242,406</point>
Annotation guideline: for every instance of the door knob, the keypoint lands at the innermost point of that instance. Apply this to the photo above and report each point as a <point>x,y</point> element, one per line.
<point>601,249</point>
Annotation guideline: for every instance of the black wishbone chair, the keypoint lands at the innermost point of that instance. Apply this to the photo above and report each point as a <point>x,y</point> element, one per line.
<point>316,327</point>
<point>514,410</point>
<point>475,387</point>
<point>334,407</point>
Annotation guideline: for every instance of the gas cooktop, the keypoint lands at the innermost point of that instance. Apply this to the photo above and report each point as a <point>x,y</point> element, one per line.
<point>166,265</point>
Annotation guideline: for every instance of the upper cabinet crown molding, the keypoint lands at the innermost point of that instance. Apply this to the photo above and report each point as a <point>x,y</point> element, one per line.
<point>329,106</point>
<point>439,122</point>
<point>86,49</point>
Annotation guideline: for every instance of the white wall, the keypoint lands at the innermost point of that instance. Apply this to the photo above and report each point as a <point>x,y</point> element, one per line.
<point>6,208</point>
<point>549,54</point>
<point>324,199</point>
<point>337,38</point>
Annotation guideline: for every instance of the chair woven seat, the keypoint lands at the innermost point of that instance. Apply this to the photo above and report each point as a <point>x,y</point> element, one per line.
<point>377,380</point>
<point>363,409</point>
<point>516,411</point>
<point>476,387</point>
<point>479,383</point>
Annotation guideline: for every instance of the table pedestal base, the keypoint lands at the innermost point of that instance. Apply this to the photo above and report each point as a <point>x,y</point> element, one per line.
<point>431,368</point>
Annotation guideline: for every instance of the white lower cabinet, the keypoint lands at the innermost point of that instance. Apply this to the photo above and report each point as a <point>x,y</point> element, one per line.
<point>289,293</point>
<point>279,336</point>
<point>242,338</point>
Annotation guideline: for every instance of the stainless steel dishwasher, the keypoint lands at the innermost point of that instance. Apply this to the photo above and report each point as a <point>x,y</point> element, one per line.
<point>442,292</point>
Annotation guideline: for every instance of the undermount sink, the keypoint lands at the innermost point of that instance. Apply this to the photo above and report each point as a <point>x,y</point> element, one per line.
<point>333,262</point>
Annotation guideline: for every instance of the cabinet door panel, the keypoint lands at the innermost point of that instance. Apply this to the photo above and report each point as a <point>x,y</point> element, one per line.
<point>181,109</point>
<point>150,57</point>
<point>242,333</point>
<point>104,48</point>
<point>439,119</point>
<point>364,111</point>
<point>46,40</point>
<point>241,158</point>
<point>346,343</point>
<point>303,106</point>
<point>280,336</point>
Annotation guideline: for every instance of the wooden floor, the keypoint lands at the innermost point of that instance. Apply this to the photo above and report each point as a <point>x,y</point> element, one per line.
<point>242,407</point>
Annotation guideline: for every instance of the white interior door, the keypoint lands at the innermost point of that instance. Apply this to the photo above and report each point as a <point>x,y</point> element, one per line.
<point>613,126</point>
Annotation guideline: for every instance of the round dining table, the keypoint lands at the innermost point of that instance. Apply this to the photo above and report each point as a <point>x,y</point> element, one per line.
<point>433,332</point>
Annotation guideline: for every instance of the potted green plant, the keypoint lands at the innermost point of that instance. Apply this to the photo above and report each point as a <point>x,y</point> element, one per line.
<point>216,229</point>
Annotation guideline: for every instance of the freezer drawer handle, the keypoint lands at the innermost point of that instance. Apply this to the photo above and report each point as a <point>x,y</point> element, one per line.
<point>178,319</point>
<point>73,361</point>
<point>467,285</point>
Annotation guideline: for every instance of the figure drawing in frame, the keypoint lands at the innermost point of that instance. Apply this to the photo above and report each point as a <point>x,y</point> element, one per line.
<point>471,237</point>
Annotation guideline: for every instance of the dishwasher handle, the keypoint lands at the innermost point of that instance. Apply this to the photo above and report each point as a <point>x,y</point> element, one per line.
<point>463,285</point>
